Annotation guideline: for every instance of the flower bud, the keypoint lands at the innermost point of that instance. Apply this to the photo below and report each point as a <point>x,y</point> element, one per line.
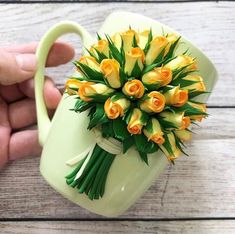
<point>171,38</point>
<point>110,69</point>
<point>156,47</point>
<point>102,46</point>
<point>177,119</point>
<point>158,77</point>
<point>199,86</point>
<point>154,132</point>
<point>89,91</point>
<point>115,109</point>
<point>143,38</point>
<point>90,62</point>
<point>176,97</point>
<point>72,85</point>
<point>183,135</point>
<point>136,123</point>
<point>176,151</point>
<point>133,56</point>
<point>182,61</point>
<point>153,102</point>
<point>133,88</point>
<point>200,107</point>
<point>127,38</point>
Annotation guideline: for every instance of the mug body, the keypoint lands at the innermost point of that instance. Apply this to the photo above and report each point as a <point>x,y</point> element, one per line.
<point>129,177</point>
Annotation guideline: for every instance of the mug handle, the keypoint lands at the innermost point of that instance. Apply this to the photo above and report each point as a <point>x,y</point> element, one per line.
<point>43,49</point>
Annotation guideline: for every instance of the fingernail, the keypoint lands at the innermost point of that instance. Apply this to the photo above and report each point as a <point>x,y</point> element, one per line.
<point>26,62</point>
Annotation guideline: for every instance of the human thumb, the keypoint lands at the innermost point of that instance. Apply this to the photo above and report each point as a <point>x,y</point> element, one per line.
<point>15,68</point>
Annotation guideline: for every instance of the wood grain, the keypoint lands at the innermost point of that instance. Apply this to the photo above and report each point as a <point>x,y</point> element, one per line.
<point>109,227</point>
<point>210,25</point>
<point>202,185</point>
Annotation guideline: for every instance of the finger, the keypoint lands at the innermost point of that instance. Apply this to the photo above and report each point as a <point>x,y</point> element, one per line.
<point>24,144</point>
<point>4,133</point>
<point>60,52</point>
<point>52,95</point>
<point>16,68</point>
<point>22,113</point>
<point>10,93</point>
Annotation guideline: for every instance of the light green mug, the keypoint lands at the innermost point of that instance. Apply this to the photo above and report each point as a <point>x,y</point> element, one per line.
<point>66,135</point>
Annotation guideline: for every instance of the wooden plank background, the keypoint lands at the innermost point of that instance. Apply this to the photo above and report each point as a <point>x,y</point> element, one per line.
<point>195,196</point>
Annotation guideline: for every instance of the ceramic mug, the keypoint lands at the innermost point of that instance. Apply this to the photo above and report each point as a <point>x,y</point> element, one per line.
<point>66,135</point>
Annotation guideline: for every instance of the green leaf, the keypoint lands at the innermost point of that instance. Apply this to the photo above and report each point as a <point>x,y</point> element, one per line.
<point>189,110</point>
<point>120,129</point>
<point>167,145</point>
<point>98,117</point>
<point>172,49</point>
<point>159,58</point>
<point>101,56</point>
<point>117,96</point>
<point>140,142</point>
<point>92,55</point>
<point>134,43</point>
<point>127,144</point>
<point>193,94</point>
<point>114,52</point>
<point>184,83</point>
<point>150,38</point>
<point>98,36</point>
<point>107,129</point>
<point>166,124</point>
<point>179,144</point>
<point>150,67</point>
<point>136,72</point>
<point>81,106</point>
<point>144,118</point>
<point>144,157</point>
<point>90,73</point>
<point>123,76</point>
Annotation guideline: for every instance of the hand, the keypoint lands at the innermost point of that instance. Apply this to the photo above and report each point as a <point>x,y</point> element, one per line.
<point>17,105</point>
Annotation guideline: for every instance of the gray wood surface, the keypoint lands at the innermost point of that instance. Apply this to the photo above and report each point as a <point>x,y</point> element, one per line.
<point>111,227</point>
<point>201,186</point>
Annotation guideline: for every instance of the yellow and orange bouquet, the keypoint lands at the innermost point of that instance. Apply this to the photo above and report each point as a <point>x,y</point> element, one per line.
<point>139,93</point>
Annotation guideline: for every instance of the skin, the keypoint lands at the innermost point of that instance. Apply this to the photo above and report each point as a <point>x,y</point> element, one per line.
<point>17,105</point>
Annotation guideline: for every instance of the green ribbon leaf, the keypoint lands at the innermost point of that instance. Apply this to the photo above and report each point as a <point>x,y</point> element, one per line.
<point>120,129</point>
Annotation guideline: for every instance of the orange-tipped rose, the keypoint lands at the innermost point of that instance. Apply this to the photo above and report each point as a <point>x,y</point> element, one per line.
<point>200,107</point>
<point>153,102</point>
<point>72,85</point>
<point>158,77</point>
<point>182,61</point>
<point>102,46</point>
<point>135,55</point>
<point>175,150</point>
<point>154,132</point>
<point>176,97</point>
<point>156,46</point>
<point>110,69</point>
<point>183,135</point>
<point>133,88</point>
<point>90,90</point>
<point>135,123</point>
<point>90,62</point>
<point>198,86</point>
<point>115,109</point>
<point>185,123</point>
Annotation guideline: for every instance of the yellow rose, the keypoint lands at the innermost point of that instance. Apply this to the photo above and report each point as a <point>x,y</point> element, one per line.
<point>110,69</point>
<point>201,107</point>
<point>127,38</point>
<point>143,38</point>
<point>176,151</point>
<point>90,90</point>
<point>90,62</point>
<point>154,132</point>
<point>133,88</point>
<point>199,86</point>
<point>156,47</point>
<point>153,102</point>
<point>131,57</point>
<point>102,46</point>
<point>177,119</point>
<point>72,85</point>
<point>183,135</point>
<point>135,123</point>
<point>176,97</point>
<point>158,77</point>
<point>182,61</point>
<point>115,109</point>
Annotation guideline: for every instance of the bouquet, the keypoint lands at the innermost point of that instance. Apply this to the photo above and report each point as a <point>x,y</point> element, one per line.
<point>137,93</point>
